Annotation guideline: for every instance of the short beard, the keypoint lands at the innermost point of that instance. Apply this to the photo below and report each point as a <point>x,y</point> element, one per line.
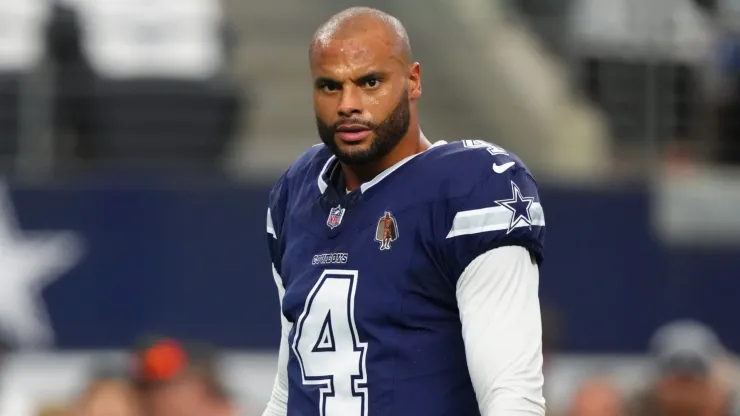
<point>388,134</point>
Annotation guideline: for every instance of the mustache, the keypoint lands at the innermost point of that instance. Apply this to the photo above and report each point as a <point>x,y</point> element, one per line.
<point>367,124</point>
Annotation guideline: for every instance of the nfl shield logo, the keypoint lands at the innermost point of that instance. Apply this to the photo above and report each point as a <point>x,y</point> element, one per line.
<point>335,217</point>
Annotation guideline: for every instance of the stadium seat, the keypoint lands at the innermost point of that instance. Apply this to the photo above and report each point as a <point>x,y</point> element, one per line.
<point>155,94</point>
<point>152,122</point>
<point>22,47</point>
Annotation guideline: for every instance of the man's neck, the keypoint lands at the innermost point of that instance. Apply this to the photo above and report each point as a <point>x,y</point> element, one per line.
<point>356,175</point>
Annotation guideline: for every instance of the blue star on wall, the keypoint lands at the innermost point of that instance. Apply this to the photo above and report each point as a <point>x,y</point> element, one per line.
<point>519,207</point>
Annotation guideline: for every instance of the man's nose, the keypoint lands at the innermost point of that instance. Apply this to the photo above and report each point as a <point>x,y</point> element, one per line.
<point>351,102</point>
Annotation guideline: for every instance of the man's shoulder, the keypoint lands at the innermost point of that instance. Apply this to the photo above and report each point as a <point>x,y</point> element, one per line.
<point>485,198</point>
<point>309,165</point>
<point>456,169</point>
<point>303,172</point>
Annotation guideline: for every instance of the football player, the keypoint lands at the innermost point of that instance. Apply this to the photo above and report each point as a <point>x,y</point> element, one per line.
<point>407,272</point>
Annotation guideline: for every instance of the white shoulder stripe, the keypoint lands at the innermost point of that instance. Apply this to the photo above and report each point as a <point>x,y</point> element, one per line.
<point>483,220</point>
<point>270,228</point>
<point>322,184</point>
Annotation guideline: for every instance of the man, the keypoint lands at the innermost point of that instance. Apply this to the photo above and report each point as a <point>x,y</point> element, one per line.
<point>441,318</point>
<point>686,355</point>
<point>597,397</point>
<point>107,395</point>
<point>180,379</point>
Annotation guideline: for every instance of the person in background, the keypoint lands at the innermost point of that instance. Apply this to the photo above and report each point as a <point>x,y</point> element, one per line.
<point>53,411</point>
<point>685,354</point>
<point>107,396</point>
<point>180,379</point>
<point>597,397</point>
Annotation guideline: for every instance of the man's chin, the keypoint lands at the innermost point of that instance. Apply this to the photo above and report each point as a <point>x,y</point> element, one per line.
<point>354,155</point>
<point>354,146</point>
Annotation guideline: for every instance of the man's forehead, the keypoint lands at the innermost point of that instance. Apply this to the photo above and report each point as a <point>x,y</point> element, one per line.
<point>354,47</point>
<point>353,52</point>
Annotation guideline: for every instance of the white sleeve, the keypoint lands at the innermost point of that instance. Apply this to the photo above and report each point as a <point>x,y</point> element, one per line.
<point>497,295</point>
<point>278,404</point>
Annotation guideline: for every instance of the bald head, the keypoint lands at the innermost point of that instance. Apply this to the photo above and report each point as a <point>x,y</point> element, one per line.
<point>364,21</point>
<point>597,397</point>
<point>365,87</point>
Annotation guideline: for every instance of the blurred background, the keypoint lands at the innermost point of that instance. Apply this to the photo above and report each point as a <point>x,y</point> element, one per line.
<point>139,139</point>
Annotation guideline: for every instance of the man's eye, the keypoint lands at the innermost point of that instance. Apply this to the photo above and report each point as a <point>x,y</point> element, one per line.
<point>372,83</point>
<point>329,87</point>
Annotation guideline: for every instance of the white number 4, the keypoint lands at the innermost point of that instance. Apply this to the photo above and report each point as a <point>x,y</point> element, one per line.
<point>328,348</point>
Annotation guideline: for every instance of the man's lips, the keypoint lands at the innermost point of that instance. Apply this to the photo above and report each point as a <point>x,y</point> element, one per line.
<point>352,132</point>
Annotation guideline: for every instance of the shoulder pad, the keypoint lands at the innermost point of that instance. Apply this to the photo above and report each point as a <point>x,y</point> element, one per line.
<point>459,166</point>
<point>496,203</point>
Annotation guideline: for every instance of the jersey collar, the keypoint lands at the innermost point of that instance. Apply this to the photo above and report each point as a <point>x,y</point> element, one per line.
<point>324,175</point>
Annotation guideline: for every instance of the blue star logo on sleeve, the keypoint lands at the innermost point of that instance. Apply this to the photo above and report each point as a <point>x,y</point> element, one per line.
<point>519,206</point>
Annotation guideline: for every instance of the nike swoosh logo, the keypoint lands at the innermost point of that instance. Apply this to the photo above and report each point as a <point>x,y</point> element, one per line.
<point>502,168</point>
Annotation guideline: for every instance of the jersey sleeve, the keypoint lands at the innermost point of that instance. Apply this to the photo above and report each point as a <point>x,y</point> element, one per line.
<point>502,209</point>
<point>277,406</point>
<point>497,296</point>
<point>276,208</point>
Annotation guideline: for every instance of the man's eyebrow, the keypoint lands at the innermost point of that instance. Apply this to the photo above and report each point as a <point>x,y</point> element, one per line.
<point>371,75</point>
<point>324,80</point>
<point>320,81</point>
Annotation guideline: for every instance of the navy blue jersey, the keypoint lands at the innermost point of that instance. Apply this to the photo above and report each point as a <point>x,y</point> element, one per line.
<point>370,276</point>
